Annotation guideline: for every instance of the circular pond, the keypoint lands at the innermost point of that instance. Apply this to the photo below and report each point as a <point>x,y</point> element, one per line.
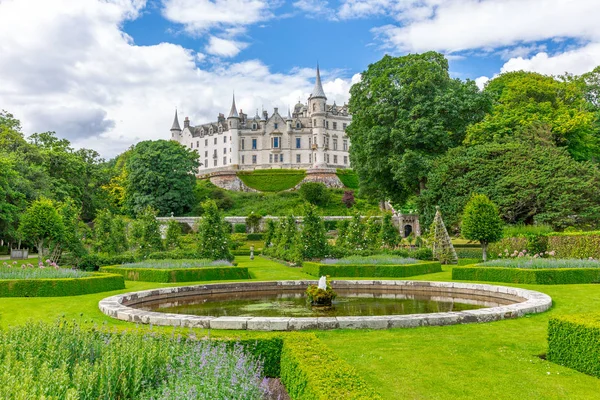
<point>360,304</point>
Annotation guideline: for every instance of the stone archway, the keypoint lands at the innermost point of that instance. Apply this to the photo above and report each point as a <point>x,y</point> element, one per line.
<point>408,229</point>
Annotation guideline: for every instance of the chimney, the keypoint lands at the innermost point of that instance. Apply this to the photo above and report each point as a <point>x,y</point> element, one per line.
<point>186,122</point>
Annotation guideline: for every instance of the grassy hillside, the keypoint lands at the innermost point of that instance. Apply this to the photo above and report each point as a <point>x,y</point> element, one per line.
<point>272,180</point>
<point>348,178</point>
<point>282,203</point>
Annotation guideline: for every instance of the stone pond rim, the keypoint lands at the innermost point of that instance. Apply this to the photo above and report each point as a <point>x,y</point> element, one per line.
<point>526,302</point>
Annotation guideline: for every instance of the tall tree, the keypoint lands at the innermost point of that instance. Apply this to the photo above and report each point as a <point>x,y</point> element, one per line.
<point>213,234</point>
<point>313,240</point>
<point>406,111</point>
<point>161,174</point>
<point>481,222</point>
<point>41,225</point>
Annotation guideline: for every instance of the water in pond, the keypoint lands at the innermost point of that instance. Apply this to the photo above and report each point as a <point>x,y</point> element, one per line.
<point>291,303</point>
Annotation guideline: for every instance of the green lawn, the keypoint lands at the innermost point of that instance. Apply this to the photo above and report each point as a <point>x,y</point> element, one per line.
<point>496,360</point>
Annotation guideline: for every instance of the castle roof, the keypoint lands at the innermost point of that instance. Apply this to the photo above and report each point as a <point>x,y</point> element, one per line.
<point>233,113</point>
<point>175,126</point>
<point>318,89</point>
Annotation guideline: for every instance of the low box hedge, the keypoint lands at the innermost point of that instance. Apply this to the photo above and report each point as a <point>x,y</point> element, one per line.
<point>574,342</point>
<point>546,276</point>
<point>164,275</point>
<point>370,271</point>
<point>311,371</point>
<point>59,287</point>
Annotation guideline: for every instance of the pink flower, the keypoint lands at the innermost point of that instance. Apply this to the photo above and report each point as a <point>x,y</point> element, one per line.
<point>591,258</point>
<point>48,261</point>
<point>521,254</point>
<point>552,253</point>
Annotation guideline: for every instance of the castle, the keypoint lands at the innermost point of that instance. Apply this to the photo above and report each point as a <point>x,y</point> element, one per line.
<point>312,136</point>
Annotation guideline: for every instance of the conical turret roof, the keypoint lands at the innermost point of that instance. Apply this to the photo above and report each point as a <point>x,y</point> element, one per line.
<point>175,126</point>
<point>233,113</point>
<point>318,89</point>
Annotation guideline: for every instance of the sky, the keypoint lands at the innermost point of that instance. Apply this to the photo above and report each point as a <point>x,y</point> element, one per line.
<point>106,74</point>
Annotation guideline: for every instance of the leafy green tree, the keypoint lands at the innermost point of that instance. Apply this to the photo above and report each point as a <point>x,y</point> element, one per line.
<point>342,232</point>
<point>314,193</point>
<point>74,229</point>
<point>42,225</point>
<point>12,202</point>
<point>161,174</point>
<point>535,108</point>
<point>147,238</point>
<point>110,233</point>
<point>481,222</point>
<point>530,184</point>
<point>356,233</point>
<point>313,240</point>
<point>406,111</point>
<point>388,236</point>
<point>173,235</point>
<point>269,236</point>
<point>213,234</point>
<point>373,232</point>
<point>288,241</point>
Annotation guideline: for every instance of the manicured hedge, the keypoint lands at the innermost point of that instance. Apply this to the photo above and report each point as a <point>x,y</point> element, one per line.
<point>371,271</point>
<point>575,245</point>
<point>179,274</point>
<point>255,236</point>
<point>546,276</point>
<point>311,371</point>
<point>272,180</point>
<point>510,244</point>
<point>348,178</point>
<point>60,286</point>
<point>574,341</point>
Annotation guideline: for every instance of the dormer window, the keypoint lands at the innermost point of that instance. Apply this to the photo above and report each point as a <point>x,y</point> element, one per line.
<point>297,125</point>
<point>276,124</point>
<point>253,126</point>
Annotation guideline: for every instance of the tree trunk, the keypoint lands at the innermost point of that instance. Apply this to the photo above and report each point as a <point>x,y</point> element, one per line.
<point>484,248</point>
<point>40,249</point>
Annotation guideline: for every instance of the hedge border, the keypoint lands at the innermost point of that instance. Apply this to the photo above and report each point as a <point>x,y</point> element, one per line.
<point>172,275</point>
<point>546,276</point>
<point>574,342</point>
<point>310,370</point>
<point>59,287</point>
<point>371,270</point>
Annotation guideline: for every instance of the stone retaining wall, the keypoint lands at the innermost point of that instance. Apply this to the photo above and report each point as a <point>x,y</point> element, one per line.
<point>527,302</point>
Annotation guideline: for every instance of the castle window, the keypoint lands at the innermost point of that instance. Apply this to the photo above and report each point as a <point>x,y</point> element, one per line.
<point>243,159</point>
<point>327,158</point>
<point>224,139</point>
<point>215,153</point>
<point>281,158</point>
<point>334,143</point>
<point>310,158</point>
<point>327,124</point>
<point>298,143</point>
<point>335,125</point>
<point>276,125</point>
<point>254,159</point>
<point>270,158</point>
<point>206,142</point>
<point>275,142</point>
<point>254,145</point>
<point>205,163</point>
<point>345,160</point>
<point>192,145</point>
<point>225,151</point>
<point>242,144</point>
<point>215,162</point>
<point>298,158</point>
<point>345,143</point>
<point>314,107</point>
<point>335,159</point>
<point>314,122</point>
<point>197,143</point>
<point>297,125</point>
<point>224,160</point>
<point>215,140</point>
<point>309,142</point>
<point>344,126</point>
<point>253,126</point>
<point>205,153</point>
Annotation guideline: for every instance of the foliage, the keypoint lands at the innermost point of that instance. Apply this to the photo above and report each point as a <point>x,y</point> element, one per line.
<point>253,222</point>
<point>213,241</point>
<point>41,225</point>
<point>542,263</point>
<point>272,180</point>
<point>372,233</point>
<point>177,263</point>
<point>575,246</point>
<point>49,284</point>
<point>545,276</point>
<point>74,231</point>
<point>320,297</point>
<point>93,261</point>
<point>109,233</point>
<point>377,259</point>
<point>442,247</point>
<point>269,233</point>
<point>360,270</point>
<point>173,235</point>
<point>534,108</point>
<point>406,111</point>
<point>389,236</point>
<point>239,228</point>
<point>287,243</point>
<point>313,243</point>
<point>355,236</point>
<point>573,342</point>
<point>540,184</point>
<point>145,233</point>
<point>161,175</point>
<point>521,230</point>
<point>348,178</point>
<point>342,234</point>
<point>10,270</point>
<point>310,370</point>
<point>348,198</point>
<point>178,273</point>
<point>314,192</point>
<point>481,222</point>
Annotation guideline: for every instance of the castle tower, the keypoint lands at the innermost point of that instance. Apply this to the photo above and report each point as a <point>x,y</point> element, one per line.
<point>175,129</point>
<point>233,120</point>
<point>318,114</point>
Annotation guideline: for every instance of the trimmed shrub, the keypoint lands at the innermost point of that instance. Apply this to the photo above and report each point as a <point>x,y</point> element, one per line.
<point>554,276</point>
<point>574,342</point>
<point>93,261</point>
<point>272,180</point>
<point>575,245</point>
<point>172,255</point>
<point>179,274</point>
<point>374,271</point>
<point>311,371</point>
<point>330,225</point>
<point>61,286</point>
<point>239,228</point>
<point>315,193</point>
<point>255,236</point>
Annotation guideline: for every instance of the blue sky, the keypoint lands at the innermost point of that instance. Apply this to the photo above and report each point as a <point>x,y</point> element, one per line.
<point>106,74</point>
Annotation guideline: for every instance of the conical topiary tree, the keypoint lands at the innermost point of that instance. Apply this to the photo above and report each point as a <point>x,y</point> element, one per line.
<point>481,221</point>
<point>313,241</point>
<point>443,250</point>
<point>213,234</point>
<point>389,236</point>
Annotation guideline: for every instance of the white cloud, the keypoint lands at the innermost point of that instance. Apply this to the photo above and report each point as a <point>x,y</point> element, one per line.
<point>224,47</point>
<point>71,69</point>
<point>316,8</point>
<point>481,81</point>
<point>577,61</point>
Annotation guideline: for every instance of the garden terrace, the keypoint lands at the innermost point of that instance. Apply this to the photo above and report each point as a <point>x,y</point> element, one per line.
<point>532,271</point>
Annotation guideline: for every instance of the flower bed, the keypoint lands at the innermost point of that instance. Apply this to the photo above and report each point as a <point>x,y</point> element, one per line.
<point>574,341</point>
<point>356,269</point>
<point>532,271</point>
<point>169,271</point>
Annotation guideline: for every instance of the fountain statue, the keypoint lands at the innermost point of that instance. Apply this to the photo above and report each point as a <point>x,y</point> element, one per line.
<point>322,283</point>
<point>321,295</point>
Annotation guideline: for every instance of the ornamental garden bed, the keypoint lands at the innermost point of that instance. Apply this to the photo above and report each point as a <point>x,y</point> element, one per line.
<point>574,342</point>
<point>528,270</point>
<point>27,280</point>
<point>169,271</point>
<point>373,266</point>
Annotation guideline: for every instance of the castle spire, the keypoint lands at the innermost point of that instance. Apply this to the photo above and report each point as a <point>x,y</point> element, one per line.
<point>233,113</point>
<point>318,89</point>
<point>175,126</point>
